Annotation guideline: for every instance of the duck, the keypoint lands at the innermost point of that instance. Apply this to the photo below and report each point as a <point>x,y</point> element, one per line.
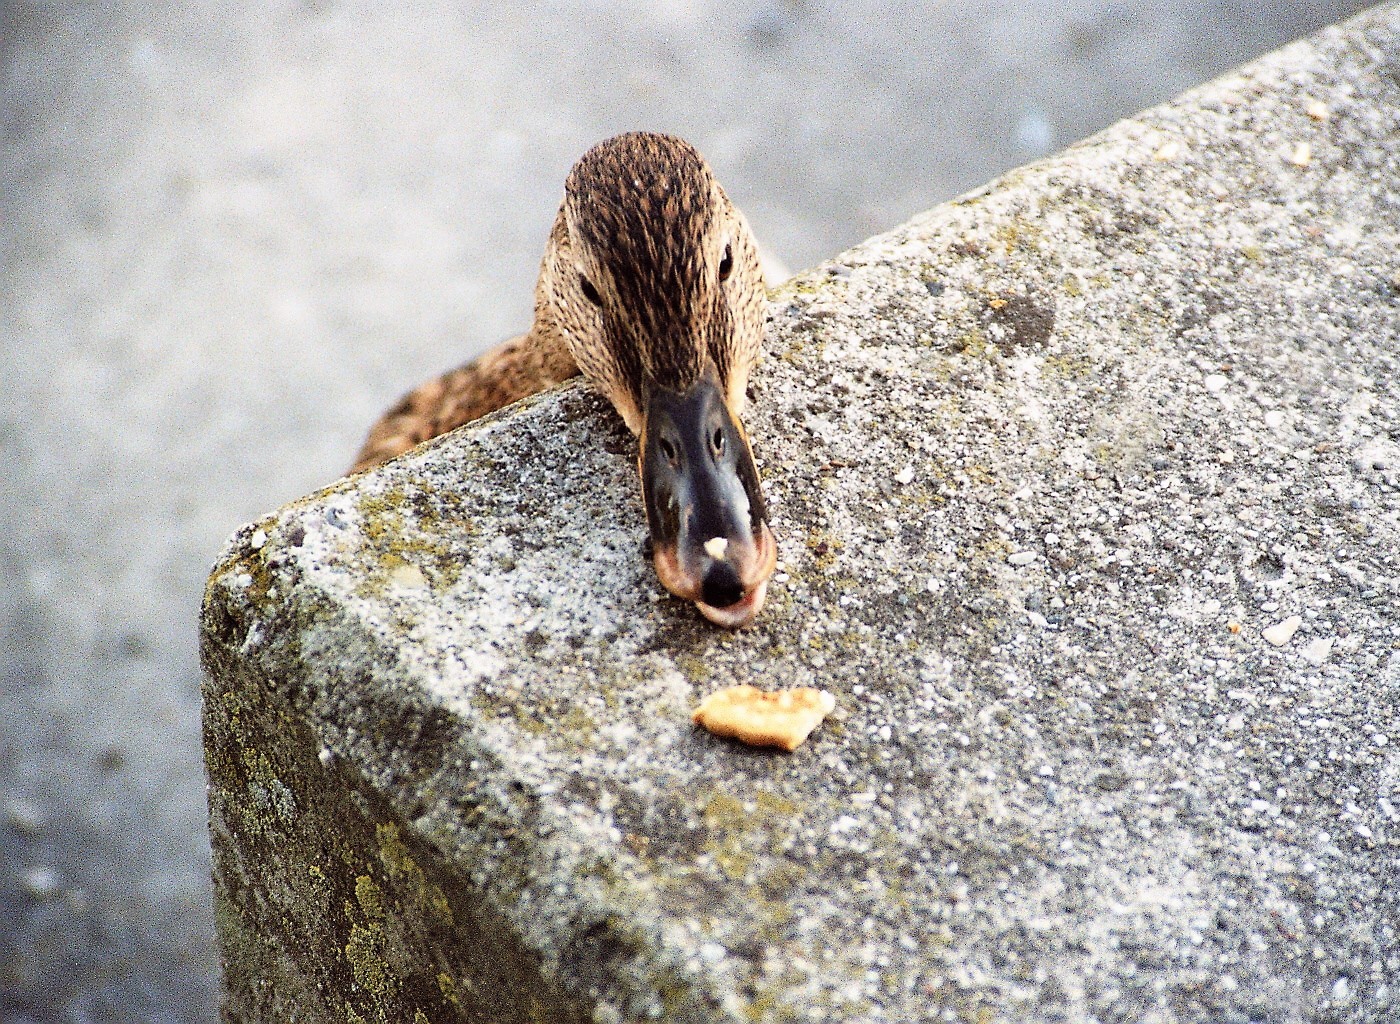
<point>651,287</point>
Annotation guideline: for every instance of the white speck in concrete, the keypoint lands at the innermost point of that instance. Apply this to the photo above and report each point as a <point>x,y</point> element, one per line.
<point>1317,652</point>
<point>1281,632</point>
<point>1169,150</point>
<point>408,576</point>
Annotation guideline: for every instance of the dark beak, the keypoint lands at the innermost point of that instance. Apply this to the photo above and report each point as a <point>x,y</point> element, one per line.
<point>709,526</point>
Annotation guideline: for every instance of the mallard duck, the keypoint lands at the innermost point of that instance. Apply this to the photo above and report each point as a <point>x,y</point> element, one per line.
<point>650,287</point>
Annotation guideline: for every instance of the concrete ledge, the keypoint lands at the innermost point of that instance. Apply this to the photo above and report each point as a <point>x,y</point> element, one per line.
<point>1087,487</point>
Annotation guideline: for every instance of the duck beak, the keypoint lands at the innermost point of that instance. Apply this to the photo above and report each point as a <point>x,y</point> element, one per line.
<point>709,526</point>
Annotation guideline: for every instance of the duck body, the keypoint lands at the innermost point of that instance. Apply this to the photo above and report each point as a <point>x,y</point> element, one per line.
<point>651,287</point>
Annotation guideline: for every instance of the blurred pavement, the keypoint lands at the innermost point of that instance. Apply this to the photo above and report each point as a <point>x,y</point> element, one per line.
<point>231,233</point>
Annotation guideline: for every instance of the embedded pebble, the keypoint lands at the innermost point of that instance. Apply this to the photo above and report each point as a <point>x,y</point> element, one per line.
<point>1317,652</point>
<point>408,576</point>
<point>905,475</point>
<point>1215,382</point>
<point>1281,632</point>
<point>1022,558</point>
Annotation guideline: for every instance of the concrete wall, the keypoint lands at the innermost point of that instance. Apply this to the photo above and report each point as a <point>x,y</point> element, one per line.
<point>1087,487</point>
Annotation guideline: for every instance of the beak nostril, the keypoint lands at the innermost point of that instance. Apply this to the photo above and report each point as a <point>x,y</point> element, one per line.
<point>721,587</point>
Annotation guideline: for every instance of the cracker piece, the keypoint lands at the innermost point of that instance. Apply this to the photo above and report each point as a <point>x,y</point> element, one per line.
<point>760,719</point>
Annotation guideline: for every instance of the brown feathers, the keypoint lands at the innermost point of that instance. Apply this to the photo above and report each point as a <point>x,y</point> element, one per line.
<point>507,373</point>
<point>650,279</point>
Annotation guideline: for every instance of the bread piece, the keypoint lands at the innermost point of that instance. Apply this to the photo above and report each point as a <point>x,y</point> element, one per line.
<point>750,715</point>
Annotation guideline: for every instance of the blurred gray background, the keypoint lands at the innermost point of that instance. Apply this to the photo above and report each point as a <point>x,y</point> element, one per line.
<point>231,233</point>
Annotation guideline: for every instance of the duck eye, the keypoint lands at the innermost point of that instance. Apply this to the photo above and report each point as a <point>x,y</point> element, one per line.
<point>589,292</point>
<point>726,264</point>
<point>718,441</point>
<point>668,450</point>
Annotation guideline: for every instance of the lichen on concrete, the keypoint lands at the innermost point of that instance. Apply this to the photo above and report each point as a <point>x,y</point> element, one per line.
<point>1045,465</point>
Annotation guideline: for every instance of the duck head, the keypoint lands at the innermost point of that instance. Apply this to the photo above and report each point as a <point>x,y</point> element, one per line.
<point>652,280</point>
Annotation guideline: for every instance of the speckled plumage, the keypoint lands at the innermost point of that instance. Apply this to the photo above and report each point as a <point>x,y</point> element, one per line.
<point>646,225</point>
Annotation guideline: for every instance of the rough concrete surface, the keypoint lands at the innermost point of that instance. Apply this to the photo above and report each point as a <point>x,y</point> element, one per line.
<point>231,233</point>
<point>1087,487</point>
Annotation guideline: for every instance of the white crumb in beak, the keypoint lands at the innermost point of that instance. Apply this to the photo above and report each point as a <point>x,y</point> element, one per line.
<point>715,547</point>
